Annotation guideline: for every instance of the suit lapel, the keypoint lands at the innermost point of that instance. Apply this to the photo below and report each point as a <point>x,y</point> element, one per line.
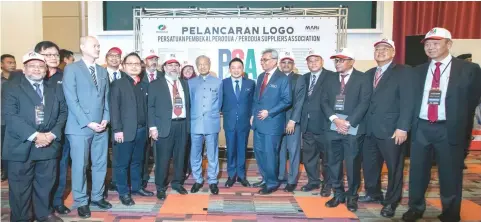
<point>453,76</point>
<point>382,82</point>
<point>163,83</point>
<point>273,79</point>
<point>230,89</point>
<point>421,82</point>
<point>86,70</point>
<point>352,78</point>
<point>28,89</point>
<point>49,97</point>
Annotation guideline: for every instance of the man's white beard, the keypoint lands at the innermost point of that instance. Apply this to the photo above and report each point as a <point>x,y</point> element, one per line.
<point>174,75</point>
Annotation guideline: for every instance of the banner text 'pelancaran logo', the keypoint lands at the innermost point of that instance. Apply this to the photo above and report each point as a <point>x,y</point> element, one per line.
<point>237,30</point>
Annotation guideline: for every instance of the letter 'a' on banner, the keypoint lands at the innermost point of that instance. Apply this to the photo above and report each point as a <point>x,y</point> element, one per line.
<point>223,38</point>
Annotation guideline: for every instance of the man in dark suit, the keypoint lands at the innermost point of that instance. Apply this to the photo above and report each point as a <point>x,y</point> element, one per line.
<point>169,124</point>
<point>388,121</point>
<point>8,65</point>
<point>291,140</point>
<point>312,126</point>
<point>37,113</point>
<point>149,74</point>
<point>271,100</point>
<point>345,100</point>
<point>238,93</point>
<point>446,92</point>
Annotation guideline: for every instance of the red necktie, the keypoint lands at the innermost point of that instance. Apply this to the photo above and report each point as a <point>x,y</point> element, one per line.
<point>343,83</point>
<point>433,109</point>
<point>175,92</point>
<point>151,77</point>
<point>136,80</point>
<point>264,83</point>
<point>377,77</point>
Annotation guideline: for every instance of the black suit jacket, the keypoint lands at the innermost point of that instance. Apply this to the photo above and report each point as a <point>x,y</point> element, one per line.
<point>160,105</point>
<point>19,101</point>
<point>298,92</point>
<point>312,104</point>
<point>358,92</point>
<point>391,102</point>
<point>123,106</point>
<point>462,97</point>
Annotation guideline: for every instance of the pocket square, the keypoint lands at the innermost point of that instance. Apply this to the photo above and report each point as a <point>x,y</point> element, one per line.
<point>59,82</point>
<point>248,90</point>
<point>273,86</point>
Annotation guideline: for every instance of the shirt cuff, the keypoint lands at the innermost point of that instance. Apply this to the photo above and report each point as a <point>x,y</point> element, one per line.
<point>292,121</point>
<point>54,137</point>
<point>153,128</point>
<point>401,130</point>
<point>32,137</point>
<point>333,117</point>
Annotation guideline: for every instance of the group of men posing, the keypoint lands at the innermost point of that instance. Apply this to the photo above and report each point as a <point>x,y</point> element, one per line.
<point>346,118</point>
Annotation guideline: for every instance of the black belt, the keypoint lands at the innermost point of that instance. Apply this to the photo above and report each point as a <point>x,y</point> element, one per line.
<point>178,119</point>
<point>433,122</point>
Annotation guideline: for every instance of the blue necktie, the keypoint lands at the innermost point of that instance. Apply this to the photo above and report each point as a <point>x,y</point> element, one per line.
<point>115,75</point>
<point>39,92</point>
<point>237,89</point>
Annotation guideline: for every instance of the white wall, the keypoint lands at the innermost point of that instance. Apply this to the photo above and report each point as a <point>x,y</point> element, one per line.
<point>360,41</point>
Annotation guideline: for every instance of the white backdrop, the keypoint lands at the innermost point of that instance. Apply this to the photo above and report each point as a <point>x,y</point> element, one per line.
<point>222,39</point>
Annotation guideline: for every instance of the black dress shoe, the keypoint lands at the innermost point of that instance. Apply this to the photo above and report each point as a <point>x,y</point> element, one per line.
<point>334,202</point>
<point>143,192</point>
<point>265,190</point>
<point>102,204</point>
<point>412,215</point>
<point>352,204</point>
<point>4,176</point>
<point>61,209</point>
<point>326,190</point>
<point>230,182</point>
<point>444,218</point>
<point>51,218</point>
<point>83,211</point>
<point>290,187</point>
<point>161,195</point>
<point>371,199</point>
<point>259,184</point>
<point>243,182</point>
<point>214,189</point>
<point>388,210</point>
<point>310,187</point>
<point>196,187</point>
<point>112,186</point>
<point>180,189</point>
<point>144,183</point>
<point>465,167</point>
<point>126,200</point>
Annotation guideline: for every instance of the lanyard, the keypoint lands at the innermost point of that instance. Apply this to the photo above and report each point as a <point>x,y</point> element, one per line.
<point>438,80</point>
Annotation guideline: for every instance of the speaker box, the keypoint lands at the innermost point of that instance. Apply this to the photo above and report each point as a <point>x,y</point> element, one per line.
<point>414,54</point>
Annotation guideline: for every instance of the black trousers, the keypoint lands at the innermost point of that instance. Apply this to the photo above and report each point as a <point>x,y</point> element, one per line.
<point>375,152</point>
<point>313,150</point>
<point>172,146</point>
<point>4,162</point>
<point>146,163</point>
<point>449,158</point>
<point>344,148</point>
<point>30,184</point>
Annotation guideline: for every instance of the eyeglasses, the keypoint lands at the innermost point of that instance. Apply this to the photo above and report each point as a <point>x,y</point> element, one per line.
<point>265,60</point>
<point>173,65</point>
<point>287,62</point>
<point>341,60</point>
<point>114,56</point>
<point>382,49</point>
<point>51,55</point>
<point>36,67</point>
<point>153,59</point>
<point>133,64</point>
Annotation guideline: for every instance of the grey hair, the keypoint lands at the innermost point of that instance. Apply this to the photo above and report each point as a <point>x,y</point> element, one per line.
<point>273,52</point>
<point>202,57</point>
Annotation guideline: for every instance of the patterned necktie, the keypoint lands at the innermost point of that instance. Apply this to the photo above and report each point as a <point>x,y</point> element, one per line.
<point>94,78</point>
<point>115,76</point>
<point>136,80</point>
<point>311,87</point>
<point>175,92</point>
<point>151,77</point>
<point>343,83</point>
<point>237,89</point>
<point>39,92</point>
<point>377,77</point>
<point>432,108</point>
<point>264,84</point>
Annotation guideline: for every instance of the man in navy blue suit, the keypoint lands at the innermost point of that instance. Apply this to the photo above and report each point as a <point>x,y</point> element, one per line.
<point>271,100</point>
<point>238,93</point>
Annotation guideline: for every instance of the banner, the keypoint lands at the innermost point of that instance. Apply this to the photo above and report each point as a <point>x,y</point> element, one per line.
<point>224,38</point>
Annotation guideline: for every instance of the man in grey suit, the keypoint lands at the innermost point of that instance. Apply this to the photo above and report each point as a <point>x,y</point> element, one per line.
<point>291,140</point>
<point>86,88</point>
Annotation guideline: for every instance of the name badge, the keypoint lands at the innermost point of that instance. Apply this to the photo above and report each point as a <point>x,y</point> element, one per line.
<point>434,97</point>
<point>39,114</point>
<point>339,104</point>
<point>178,102</point>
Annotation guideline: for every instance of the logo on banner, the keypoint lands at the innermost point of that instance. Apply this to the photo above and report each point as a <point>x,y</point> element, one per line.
<point>312,28</point>
<point>162,28</point>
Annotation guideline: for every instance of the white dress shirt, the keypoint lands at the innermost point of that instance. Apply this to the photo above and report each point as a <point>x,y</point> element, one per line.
<point>180,89</point>
<point>111,74</point>
<point>346,79</point>
<point>445,69</point>
<point>317,74</point>
<point>234,83</point>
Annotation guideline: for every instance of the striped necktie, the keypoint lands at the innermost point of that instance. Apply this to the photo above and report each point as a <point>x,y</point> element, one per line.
<point>94,77</point>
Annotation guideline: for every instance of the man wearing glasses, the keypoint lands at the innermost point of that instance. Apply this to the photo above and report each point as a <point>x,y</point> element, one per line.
<point>37,113</point>
<point>271,100</point>
<point>345,100</point>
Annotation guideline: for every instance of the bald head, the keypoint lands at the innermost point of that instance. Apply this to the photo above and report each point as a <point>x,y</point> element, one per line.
<point>90,47</point>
